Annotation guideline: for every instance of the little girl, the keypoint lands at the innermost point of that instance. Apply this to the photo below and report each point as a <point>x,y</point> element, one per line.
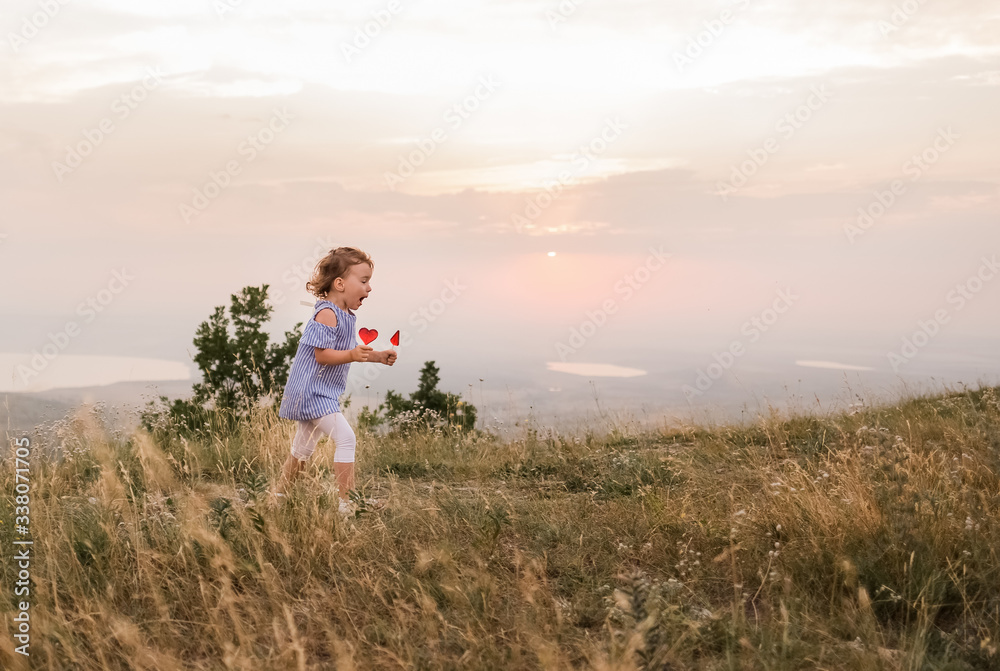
<point>319,371</point>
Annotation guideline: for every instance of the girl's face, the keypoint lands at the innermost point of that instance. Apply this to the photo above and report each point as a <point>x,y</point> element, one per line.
<point>355,284</point>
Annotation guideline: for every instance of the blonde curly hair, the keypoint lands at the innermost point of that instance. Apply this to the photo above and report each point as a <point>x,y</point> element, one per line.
<point>334,265</point>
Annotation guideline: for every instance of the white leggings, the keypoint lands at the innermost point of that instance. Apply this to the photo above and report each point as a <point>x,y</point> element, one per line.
<point>334,425</point>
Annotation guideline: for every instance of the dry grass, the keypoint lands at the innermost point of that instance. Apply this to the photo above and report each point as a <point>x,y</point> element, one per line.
<point>854,541</point>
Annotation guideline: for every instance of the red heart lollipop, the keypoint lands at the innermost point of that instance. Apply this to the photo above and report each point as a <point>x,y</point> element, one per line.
<point>367,335</point>
<point>395,339</point>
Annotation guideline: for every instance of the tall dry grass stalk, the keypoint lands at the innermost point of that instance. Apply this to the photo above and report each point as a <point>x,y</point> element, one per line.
<point>864,540</point>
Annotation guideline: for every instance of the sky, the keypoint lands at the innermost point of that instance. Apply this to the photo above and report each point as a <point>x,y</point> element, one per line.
<point>651,177</point>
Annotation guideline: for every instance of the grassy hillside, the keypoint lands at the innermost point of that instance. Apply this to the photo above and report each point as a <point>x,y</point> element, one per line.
<point>860,541</point>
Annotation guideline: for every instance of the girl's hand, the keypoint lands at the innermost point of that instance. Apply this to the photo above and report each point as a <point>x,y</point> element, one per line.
<point>361,353</point>
<point>390,357</point>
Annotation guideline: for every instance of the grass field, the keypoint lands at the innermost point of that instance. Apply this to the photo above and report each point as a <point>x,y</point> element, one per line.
<point>851,541</point>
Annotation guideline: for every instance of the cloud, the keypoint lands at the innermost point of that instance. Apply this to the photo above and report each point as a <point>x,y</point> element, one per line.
<point>656,184</point>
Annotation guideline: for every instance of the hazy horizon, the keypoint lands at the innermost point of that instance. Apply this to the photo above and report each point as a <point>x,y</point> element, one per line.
<point>553,193</point>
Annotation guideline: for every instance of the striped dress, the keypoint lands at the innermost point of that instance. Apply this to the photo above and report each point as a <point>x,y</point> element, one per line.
<point>313,389</point>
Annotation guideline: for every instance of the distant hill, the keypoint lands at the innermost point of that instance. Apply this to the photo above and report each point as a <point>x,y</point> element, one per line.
<point>20,412</point>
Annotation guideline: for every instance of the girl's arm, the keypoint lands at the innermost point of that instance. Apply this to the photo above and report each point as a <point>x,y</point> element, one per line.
<point>335,357</point>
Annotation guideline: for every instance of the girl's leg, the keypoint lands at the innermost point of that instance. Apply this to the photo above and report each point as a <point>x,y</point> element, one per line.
<point>345,478</point>
<point>289,471</point>
<point>307,434</point>
<point>336,426</point>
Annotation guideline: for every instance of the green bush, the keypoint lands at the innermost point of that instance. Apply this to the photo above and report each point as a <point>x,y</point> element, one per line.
<point>240,369</point>
<point>427,406</point>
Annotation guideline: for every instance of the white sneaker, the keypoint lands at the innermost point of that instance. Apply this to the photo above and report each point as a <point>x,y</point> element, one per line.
<point>374,504</point>
<point>347,508</point>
